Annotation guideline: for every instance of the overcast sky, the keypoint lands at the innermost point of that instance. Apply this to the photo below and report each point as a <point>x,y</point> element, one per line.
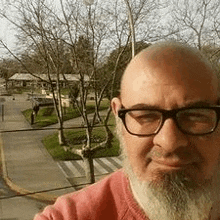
<point>7,35</point>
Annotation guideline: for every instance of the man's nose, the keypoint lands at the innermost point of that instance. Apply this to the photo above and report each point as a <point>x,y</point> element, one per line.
<point>170,137</point>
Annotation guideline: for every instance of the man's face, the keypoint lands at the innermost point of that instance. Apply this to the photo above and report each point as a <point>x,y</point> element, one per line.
<point>170,151</point>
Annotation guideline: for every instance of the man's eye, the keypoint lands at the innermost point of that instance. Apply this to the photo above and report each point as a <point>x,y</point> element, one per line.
<point>149,117</point>
<point>196,118</point>
<point>145,116</point>
<point>197,115</point>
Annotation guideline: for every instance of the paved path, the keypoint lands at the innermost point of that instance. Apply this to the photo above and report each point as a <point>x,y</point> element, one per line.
<point>29,167</point>
<point>76,121</point>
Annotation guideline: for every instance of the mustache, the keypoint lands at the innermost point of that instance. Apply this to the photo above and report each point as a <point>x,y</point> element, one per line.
<point>181,153</point>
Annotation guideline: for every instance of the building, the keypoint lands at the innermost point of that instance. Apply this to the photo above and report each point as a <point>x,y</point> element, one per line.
<point>42,80</point>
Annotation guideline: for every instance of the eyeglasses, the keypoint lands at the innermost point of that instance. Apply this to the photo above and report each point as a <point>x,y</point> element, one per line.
<point>190,120</point>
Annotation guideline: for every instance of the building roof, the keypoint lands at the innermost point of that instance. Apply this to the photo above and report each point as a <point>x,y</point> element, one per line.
<point>29,77</point>
<point>22,76</point>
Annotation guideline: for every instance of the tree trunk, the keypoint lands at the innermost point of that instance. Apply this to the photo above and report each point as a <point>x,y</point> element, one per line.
<point>88,166</point>
<point>61,137</point>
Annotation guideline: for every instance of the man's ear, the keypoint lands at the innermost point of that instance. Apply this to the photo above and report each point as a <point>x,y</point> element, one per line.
<point>116,105</point>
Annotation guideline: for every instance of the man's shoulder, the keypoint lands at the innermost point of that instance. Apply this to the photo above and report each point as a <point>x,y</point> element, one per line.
<point>106,197</point>
<point>109,198</point>
<point>108,185</point>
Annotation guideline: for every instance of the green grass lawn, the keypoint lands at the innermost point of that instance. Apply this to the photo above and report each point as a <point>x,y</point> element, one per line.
<point>75,138</point>
<point>47,115</point>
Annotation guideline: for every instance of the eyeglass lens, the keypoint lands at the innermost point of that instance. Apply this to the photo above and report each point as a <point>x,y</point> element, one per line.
<point>197,121</point>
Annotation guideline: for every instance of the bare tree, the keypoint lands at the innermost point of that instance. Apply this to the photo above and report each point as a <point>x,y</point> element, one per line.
<point>39,36</point>
<point>194,20</point>
<point>215,54</point>
<point>100,24</point>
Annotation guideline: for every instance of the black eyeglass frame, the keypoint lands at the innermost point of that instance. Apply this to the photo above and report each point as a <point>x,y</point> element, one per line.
<point>169,114</point>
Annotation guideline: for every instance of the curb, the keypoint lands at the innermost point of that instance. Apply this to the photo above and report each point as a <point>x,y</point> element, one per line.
<point>39,196</point>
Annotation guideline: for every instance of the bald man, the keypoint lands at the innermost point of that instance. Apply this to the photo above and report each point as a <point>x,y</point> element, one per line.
<point>167,121</point>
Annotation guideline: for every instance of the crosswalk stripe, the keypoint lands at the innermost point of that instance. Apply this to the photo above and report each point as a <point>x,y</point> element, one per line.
<point>119,161</point>
<point>76,173</point>
<point>98,168</point>
<point>100,161</point>
<point>78,164</point>
<point>67,172</point>
<point>108,163</point>
<point>75,168</point>
<point>113,162</point>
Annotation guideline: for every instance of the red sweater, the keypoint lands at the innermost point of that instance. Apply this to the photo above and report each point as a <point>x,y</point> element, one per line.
<point>107,199</point>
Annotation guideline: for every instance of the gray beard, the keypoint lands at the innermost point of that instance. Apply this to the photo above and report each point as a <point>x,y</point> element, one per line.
<point>175,197</point>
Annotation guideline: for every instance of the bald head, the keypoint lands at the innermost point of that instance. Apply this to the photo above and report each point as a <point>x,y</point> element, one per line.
<point>169,77</point>
<point>175,61</point>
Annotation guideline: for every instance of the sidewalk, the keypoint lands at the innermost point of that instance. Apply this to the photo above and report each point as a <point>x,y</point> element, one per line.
<point>27,166</point>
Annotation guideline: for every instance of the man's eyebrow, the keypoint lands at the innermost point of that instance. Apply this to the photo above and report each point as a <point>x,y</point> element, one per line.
<point>144,106</point>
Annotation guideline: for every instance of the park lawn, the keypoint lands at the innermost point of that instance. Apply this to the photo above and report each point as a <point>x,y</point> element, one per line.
<point>76,137</point>
<point>47,115</point>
